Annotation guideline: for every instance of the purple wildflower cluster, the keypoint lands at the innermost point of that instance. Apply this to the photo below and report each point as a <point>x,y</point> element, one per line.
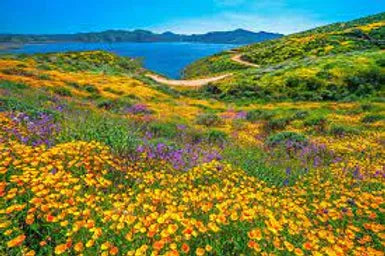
<point>181,158</point>
<point>39,130</point>
<point>309,154</point>
<point>138,109</point>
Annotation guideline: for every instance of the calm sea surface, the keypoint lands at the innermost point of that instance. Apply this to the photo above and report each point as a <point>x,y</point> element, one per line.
<point>165,58</point>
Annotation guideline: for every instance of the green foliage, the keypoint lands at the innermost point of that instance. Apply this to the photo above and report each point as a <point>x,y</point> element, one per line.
<point>259,114</point>
<point>372,118</point>
<point>300,114</point>
<point>166,130</point>
<point>277,124</point>
<point>62,91</point>
<point>351,77</point>
<point>216,136</point>
<point>283,137</point>
<point>12,85</point>
<point>88,126</point>
<point>208,119</point>
<point>342,130</point>
<point>91,88</point>
<point>32,106</point>
<point>210,65</point>
<point>316,121</point>
<point>257,162</point>
<point>116,92</point>
<point>94,61</point>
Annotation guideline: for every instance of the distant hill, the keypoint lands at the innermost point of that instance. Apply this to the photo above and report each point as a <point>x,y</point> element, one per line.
<point>238,36</point>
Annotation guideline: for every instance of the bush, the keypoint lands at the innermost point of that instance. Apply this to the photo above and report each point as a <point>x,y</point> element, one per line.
<point>340,130</point>
<point>106,104</point>
<point>284,137</point>
<point>62,91</point>
<point>366,106</point>
<point>12,85</point>
<point>277,124</point>
<point>215,136</point>
<point>381,62</point>
<point>372,118</point>
<point>44,77</point>
<point>115,133</point>
<point>167,130</point>
<point>91,88</point>
<point>299,115</point>
<point>315,121</point>
<point>208,119</point>
<point>258,114</point>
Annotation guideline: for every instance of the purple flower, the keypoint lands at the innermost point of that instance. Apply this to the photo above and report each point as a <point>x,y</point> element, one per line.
<point>181,127</point>
<point>138,109</point>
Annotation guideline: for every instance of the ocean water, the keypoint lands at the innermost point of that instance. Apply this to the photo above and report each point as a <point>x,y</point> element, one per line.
<point>165,58</point>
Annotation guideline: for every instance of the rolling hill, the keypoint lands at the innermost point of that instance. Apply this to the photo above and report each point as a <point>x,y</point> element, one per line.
<point>327,63</point>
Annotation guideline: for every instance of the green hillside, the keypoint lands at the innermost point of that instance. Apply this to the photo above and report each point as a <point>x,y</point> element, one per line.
<point>330,62</point>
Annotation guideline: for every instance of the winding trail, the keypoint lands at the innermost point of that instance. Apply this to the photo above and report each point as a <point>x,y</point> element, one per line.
<point>189,83</point>
<point>203,81</point>
<point>238,58</point>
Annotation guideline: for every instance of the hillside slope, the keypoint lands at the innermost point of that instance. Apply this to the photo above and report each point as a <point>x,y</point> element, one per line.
<point>97,160</point>
<point>282,57</point>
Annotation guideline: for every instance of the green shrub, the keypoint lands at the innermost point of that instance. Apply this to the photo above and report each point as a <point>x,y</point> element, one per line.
<point>44,77</point>
<point>300,114</point>
<point>208,119</point>
<point>283,137</point>
<point>277,124</point>
<point>216,136</point>
<point>113,132</point>
<point>167,130</point>
<point>259,114</point>
<point>381,62</point>
<point>74,85</point>
<point>91,88</point>
<point>367,106</point>
<point>342,130</point>
<point>372,118</point>
<point>316,121</point>
<point>43,67</point>
<point>62,91</point>
<point>14,104</point>
<point>106,104</point>
<point>12,85</point>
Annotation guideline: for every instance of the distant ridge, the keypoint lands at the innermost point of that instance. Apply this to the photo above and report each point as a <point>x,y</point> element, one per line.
<point>238,36</point>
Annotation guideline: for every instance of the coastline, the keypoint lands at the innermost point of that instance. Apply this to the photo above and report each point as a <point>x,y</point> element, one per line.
<point>10,46</point>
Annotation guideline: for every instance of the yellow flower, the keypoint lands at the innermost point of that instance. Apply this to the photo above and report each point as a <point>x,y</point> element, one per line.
<point>16,241</point>
<point>288,246</point>
<point>90,243</point>
<point>199,251</point>
<point>78,247</point>
<point>61,248</point>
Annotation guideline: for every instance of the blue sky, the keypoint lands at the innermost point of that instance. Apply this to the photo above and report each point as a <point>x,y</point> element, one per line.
<point>181,16</point>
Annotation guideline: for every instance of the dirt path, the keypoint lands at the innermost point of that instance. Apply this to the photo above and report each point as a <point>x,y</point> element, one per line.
<point>238,58</point>
<point>200,82</point>
<point>191,83</point>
